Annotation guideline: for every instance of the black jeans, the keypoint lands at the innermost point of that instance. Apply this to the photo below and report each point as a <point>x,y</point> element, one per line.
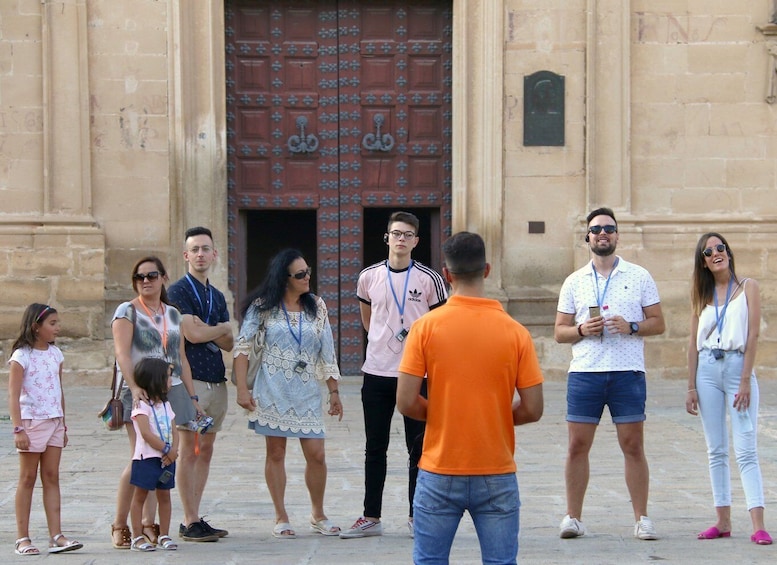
<point>379,398</point>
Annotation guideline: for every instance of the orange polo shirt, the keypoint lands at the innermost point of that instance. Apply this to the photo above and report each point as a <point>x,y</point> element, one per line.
<point>475,357</point>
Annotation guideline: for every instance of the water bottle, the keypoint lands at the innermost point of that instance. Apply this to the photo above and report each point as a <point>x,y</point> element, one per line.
<point>745,423</point>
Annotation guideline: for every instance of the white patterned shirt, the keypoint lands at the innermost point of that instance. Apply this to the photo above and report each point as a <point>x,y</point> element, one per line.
<point>41,395</point>
<point>630,290</point>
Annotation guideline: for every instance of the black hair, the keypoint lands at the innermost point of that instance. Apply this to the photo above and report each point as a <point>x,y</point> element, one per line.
<point>34,315</point>
<point>151,374</point>
<point>199,230</point>
<point>465,255</point>
<point>405,218</point>
<point>601,212</point>
<point>271,290</point>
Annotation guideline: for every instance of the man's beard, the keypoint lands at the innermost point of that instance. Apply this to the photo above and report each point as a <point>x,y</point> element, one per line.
<point>603,251</point>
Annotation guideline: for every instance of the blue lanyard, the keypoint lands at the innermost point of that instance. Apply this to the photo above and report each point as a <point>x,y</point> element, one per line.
<point>600,300</point>
<point>719,318</point>
<point>197,294</point>
<point>164,437</point>
<point>400,307</point>
<point>298,339</point>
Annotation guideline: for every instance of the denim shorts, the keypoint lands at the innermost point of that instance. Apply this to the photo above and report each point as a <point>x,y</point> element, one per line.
<point>623,392</point>
<point>146,474</point>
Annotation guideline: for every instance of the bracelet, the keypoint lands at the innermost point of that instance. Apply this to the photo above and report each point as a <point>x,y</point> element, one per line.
<point>580,330</point>
<point>195,397</point>
<point>65,428</point>
<point>335,391</point>
<point>691,390</point>
<point>166,450</point>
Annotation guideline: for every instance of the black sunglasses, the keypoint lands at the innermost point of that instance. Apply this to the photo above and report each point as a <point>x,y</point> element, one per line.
<point>152,276</point>
<point>720,248</point>
<point>302,274</point>
<point>608,229</point>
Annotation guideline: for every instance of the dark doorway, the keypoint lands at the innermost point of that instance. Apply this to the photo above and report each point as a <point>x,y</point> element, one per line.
<point>269,231</point>
<point>428,249</point>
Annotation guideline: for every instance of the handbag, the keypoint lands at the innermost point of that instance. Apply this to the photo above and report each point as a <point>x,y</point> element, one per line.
<point>112,415</point>
<point>255,353</point>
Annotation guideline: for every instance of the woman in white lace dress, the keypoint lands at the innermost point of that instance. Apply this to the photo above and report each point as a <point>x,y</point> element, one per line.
<point>286,400</point>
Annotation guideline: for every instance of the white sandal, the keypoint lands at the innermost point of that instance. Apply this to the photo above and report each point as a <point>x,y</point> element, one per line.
<point>27,549</point>
<point>140,543</point>
<point>166,542</point>
<point>70,545</point>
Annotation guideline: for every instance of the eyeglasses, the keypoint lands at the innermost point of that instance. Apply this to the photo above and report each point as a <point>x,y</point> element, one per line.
<point>302,274</point>
<point>205,249</point>
<point>720,248</point>
<point>152,276</point>
<point>608,229</point>
<point>396,234</point>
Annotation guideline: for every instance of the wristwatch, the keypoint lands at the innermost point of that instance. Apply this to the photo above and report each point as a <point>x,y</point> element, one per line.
<point>195,397</point>
<point>18,429</point>
<point>634,328</point>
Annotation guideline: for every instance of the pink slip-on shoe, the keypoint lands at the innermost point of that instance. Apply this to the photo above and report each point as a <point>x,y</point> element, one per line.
<point>713,533</point>
<point>761,537</point>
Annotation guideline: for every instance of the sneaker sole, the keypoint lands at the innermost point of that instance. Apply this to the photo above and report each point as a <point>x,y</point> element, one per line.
<point>360,535</point>
<point>203,539</point>
<point>569,534</point>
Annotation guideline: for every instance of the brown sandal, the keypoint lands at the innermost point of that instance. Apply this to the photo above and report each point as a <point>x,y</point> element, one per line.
<point>154,537</point>
<point>121,537</point>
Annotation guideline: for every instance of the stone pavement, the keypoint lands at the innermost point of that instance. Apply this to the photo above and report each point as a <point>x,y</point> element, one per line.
<point>237,498</point>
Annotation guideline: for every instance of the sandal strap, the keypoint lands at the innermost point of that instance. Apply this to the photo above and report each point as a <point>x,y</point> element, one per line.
<point>20,540</point>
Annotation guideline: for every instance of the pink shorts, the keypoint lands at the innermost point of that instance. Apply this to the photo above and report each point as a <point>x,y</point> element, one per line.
<point>43,434</point>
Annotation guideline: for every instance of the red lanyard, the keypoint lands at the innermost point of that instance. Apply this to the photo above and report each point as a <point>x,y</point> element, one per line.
<point>162,332</point>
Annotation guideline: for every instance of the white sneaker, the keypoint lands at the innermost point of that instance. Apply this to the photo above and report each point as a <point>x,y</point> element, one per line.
<point>363,528</point>
<point>571,528</point>
<point>411,527</point>
<point>644,529</point>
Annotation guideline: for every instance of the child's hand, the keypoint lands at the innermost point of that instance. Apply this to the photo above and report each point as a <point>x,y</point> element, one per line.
<point>21,441</point>
<point>65,439</point>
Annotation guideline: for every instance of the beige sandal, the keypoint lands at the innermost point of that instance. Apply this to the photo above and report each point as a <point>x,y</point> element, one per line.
<point>154,537</point>
<point>121,537</point>
<point>28,549</point>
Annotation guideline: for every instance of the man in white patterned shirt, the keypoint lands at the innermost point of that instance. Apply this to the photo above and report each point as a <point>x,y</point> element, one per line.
<point>605,309</point>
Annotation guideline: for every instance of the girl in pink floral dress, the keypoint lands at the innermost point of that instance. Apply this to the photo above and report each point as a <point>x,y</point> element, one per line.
<point>37,407</point>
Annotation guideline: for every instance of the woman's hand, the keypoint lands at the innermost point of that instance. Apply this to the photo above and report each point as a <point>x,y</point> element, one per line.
<point>245,399</point>
<point>335,406</point>
<point>138,395</point>
<point>742,398</point>
<point>692,402</point>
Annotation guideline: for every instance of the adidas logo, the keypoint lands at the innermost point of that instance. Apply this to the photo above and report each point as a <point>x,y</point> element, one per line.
<point>415,295</point>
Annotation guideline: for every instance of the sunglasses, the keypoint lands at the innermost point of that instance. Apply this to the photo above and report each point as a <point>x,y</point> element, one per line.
<point>720,248</point>
<point>608,229</point>
<point>140,277</point>
<point>302,274</point>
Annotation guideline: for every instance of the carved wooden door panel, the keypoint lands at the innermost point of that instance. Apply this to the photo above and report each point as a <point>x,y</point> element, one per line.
<point>337,106</point>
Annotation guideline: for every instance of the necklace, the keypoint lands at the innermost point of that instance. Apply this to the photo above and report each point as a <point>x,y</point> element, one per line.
<point>156,319</point>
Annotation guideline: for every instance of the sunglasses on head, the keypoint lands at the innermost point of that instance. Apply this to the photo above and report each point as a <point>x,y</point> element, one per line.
<point>608,229</point>
<point>720,248</point>
<point>152,276</point>
<point>302,274</point>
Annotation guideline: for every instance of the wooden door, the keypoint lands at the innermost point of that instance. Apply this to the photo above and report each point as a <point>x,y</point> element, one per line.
<point>337,107</point>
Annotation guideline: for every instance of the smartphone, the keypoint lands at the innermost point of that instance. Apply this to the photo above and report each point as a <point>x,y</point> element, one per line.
<point>593,312</point>
<point>165,477</point>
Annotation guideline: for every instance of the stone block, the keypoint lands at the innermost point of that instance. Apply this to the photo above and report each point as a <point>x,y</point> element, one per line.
<point>90,263</point>
<point>41,263</point>
<point>80,291</point>
<point>712,87</point>
<point>705,173</point>
<point>26,175</point>
<point>27,59</point>
<point>656,173</point>
<point>22,292</point>
<point>21,27</point>
<point>751,173</point>
<point>76,323</point>
<point>741,119</point>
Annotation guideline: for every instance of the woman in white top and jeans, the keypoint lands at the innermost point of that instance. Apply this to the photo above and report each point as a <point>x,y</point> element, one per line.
<point>724,336</point>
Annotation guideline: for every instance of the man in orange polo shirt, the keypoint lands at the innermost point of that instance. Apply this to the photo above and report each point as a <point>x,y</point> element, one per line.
<point>476,357</point>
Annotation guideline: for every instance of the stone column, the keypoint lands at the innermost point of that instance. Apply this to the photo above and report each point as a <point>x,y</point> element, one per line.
<point>478,73</point>
<point>608,95</point>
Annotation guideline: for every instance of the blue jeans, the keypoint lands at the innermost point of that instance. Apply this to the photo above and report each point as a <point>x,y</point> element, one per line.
<point>439,503</point>
<point>717,381</point>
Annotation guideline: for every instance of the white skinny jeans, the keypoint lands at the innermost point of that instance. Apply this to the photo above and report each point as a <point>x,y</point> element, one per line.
<point>717,381</point>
